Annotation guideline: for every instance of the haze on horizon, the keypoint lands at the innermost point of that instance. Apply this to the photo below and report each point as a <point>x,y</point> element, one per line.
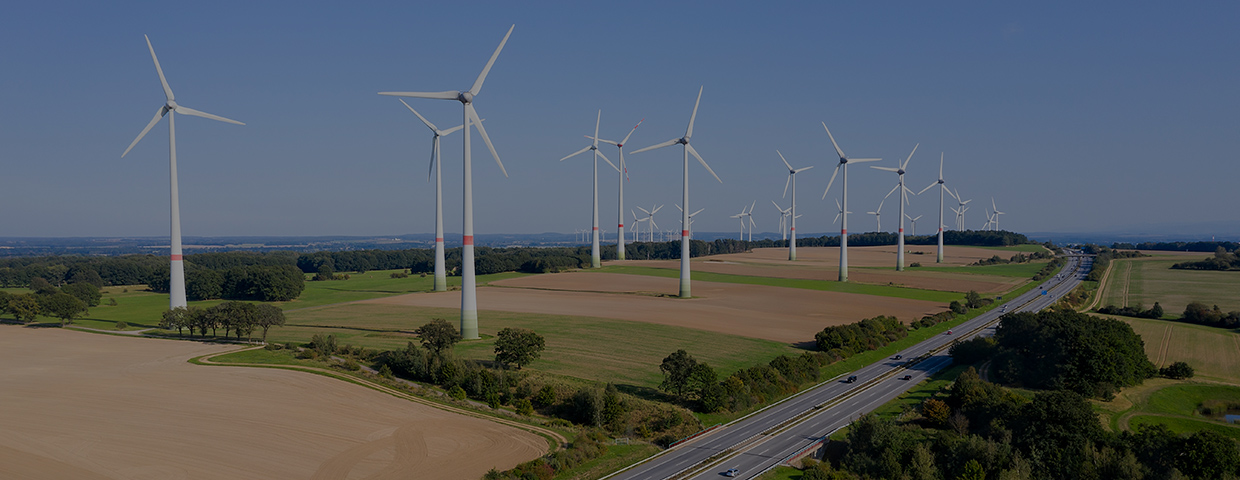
<point>1073,117</point>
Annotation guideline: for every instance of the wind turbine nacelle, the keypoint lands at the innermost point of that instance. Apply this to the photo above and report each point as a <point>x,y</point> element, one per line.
<point>172,104</point>
<point>683,141</point>
<point>465,97</point>
<point>900,171</point>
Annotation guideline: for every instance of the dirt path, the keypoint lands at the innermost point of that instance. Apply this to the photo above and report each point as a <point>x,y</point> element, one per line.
<point>1102,286</point>
<point>1127,283</point>
<point>1163,346</point>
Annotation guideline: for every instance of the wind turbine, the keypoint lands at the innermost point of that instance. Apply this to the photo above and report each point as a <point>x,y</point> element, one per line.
<point>691,215</point>
<point>792,179</point>
<point>878,214</point>
<point>997,213</point>
<point>784,213</point>
<point>942,188</point>
<point>176,269</point>
<point>843,165</point>
<point>749,215</point>
<point>963,208</point>
<point>634,227</point>
<point>624,173</point>
<point>904,191</point>
<point>841,212</point>
<point>914,221</point>
<point>441,280</point>
<point>595,259</point>
<point>684,214</point>
<point>469,293</point>
<point>989,220</point>
<point>650,218</point>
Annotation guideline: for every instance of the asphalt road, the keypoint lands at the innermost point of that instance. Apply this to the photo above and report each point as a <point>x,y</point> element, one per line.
<point>767,437</point>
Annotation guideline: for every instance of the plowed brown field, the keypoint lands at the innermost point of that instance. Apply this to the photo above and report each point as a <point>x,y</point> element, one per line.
<point>88,407</point>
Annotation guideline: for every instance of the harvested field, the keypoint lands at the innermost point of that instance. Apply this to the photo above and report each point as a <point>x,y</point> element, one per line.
<point>781,314</point>
<point>1213,352</point>
<point>822,263</point>
<point>1143,281</point>
<point>107,407</point>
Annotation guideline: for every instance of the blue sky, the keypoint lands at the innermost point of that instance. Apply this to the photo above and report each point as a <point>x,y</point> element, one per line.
<point>1073,117</point>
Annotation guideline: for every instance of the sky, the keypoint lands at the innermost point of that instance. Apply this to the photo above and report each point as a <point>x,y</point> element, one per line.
<point>1073,116</point>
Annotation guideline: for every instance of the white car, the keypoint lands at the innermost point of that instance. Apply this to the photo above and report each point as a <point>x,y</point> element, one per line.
<point>732,472</point>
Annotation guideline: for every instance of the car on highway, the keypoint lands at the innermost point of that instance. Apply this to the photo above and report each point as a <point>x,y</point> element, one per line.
<point>949,332</point>
<point>906,377</point>
<point>732,472</point>
<point>897,357</point>
<point>851,379</point>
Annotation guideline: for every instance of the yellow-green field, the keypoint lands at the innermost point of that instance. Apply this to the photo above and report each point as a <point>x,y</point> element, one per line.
<point>1174,403</point>
<point>1213,352</point>
<point>1147,280</point>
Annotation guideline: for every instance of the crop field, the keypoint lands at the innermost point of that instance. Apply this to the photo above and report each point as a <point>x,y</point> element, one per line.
<point>1144,281</point>
<point>151,414</point>
<point>1213,352</point>
<point>586,347</point>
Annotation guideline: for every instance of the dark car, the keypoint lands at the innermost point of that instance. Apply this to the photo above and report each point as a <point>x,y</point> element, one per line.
<point>851,379</point>
<point>906,377</point>
<point>897,357</point>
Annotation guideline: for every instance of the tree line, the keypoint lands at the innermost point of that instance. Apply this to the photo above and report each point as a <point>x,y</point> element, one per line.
<point>237,318</point>
<point>1177,246</point>
<point>67,302</point>
<point>1222,260</point>
<point>267,283</point>
<point>1102,259</point>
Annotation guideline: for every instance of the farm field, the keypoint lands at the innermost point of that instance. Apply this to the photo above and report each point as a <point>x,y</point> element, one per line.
<point>786,315</point>
<point>1213,352</point>
<point>1172,403</point>
<point>150,414</point>
<point>1150,279</point>
<point>594,348</point>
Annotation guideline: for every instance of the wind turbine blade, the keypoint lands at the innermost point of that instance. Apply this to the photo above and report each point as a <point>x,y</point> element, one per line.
<point>893,190</point>
<point>448,95</point>
<point>158,115</point>
<point>751,221</point>
<point>647,212</point>
<point>781,157</point>
<point>424,120</point>
<point>626,137</point>
<point>966,202</point>
<point>697,212</point>
<point>689,131</point>
<point>608,161</point>
<point>699,158</point>
<point>162,81</point>
<point>777,207</point>
<point>992,204</point>
<point>604,140</point>
<point>940,165</point>
<point>578,152</point>
<point>837,146</point>
<point>889,169</point>
<point>678,208</point>
<point>434,149</point>
<point>799,170</point>
<point>837,217</point>
<point>196,113</point>
<point>917,217</point>
<point>473,117</point>
<point>950,194</point>
<point>932,184</point>
<point>832,181</point>
<point>656,209</point>
<point>597,120</point>
<point>487,69</point>
<point>863,160</point>
<point>458,127</point>
<point>786,183</point>
<point>657,145</point>
<point>838,206</point>
<point>910,157</point>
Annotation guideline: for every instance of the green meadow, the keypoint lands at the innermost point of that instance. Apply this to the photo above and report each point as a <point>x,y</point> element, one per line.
<point>821,285</point>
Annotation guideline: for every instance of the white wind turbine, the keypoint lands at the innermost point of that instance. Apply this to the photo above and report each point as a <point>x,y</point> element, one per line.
<point>913,220</point>
<point>904,191</point>
<point>989,221</point>
<point>684,215</point>
<point>624,174</point>
<point>995,224</point>
<point>650,223</point>
<point>436,168</point>
<point>963,207</point>
<point>841,212</point>
<point>749,215</point>
<point>633,227</point>
<point>784,213</point>
<point>792,179</point>
<point>843,165</point>
<point>595,259</point>
<point>691,215</point>
<point>878,214</point>
<point>469,294</point>
<point>176,269</point>
<point>942,188</point>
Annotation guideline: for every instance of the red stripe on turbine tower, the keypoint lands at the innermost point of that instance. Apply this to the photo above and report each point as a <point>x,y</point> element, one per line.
<point>438,239</point>
<point>621,225</point>
<point>684,233</point>
<point>467,240</point>
<point>844,232</point>
<point>594,228</point>
<point>901,230</point>
<point>176,258</point>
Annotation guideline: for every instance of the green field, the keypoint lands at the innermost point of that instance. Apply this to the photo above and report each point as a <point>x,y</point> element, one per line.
<point>1184,425</point>
<point>374,284</point>
<point>1026,248</point>
<point>1213,352</point>
<point>1144,281</point>
<point>821,285</point>
<point>1171,402</point>
<point>1019,270</point>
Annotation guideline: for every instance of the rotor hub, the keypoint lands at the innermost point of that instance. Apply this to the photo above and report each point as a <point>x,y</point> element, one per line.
<point>683,141</point>
<point>900,171</point>
<point>465,97</point>
<point>843,160</point>
<point>172,104</point>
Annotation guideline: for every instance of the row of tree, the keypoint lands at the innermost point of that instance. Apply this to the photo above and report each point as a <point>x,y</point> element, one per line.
<point>1133,311</point>
<point>1222,260</point>
<point>984,431</point>
<point>124,269</point>
<point>268,283</point>
<point>1102,259</point>
<point>1200,314</point>
<point>1178,246</point>
<point>238,318</point>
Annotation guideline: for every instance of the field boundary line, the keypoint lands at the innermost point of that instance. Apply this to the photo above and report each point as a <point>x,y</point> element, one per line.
<point>1102,285</point>
<point>560,440</point>
<point>1164,345</point>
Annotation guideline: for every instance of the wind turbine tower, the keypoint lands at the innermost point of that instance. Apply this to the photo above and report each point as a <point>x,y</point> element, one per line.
<point>441,280</point>
<point>995,223</point>
<point>624,174</point>
<point>784,213</point>
<point>843,165</point>
<point>792,179</point>
<point>904,191</point>
<point>176,268</point>
<point>684,214</point>
<point>942,188</point>
<point>595,258</point>
<point>469,293</point>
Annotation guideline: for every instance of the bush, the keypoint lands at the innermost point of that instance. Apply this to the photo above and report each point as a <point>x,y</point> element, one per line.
<point>399,275</point>
<point>958,308</point>
<point>351,365</point>
<point>308,354</point>
<point>324,345</point>
<point>385,371</point>
<point>1177,370</point>
<point>915,264</point>
<point>457,392</point>
<point>545,397</point>
<point>271,347</point>
<point>121,325</point>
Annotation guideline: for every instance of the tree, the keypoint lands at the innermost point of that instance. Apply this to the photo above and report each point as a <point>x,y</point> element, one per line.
<point>204,284</point>
<point>1178,371</point>
<point>25,307</point>
<point>267,316</point>
<point>438,335</point>
<point>958,308</point>
<point>1208,454</point>
<point>676,369</point>
<point>238,315</point>
<point>63,306</point>
<point>518,346</point>
<point>177,318</point>
<point>41,286</point>
<point>1156,311</point>
<point>936,411</point>
<point>5,297</point>
<point>972,471</point>
<point>86,292</point>
<point>972,299</point>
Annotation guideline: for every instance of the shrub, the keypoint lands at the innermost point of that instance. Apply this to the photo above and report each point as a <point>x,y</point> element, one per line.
<point>545,397</point>
<point>958,308</point>
<point>271,347</point>
<point>112,302</point>
<point>308,354</point>
<point>915,264</point>
<point>399,275</point>
<point>523,406</point>
<point>1177,370</point>
<point>385,371</point>
<point>324,345</point>
<point>457,392</point>
<point>351,365</point>
<point>121,325</point>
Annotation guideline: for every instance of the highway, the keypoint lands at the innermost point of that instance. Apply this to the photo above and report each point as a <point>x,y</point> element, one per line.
<point>764,439</point>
